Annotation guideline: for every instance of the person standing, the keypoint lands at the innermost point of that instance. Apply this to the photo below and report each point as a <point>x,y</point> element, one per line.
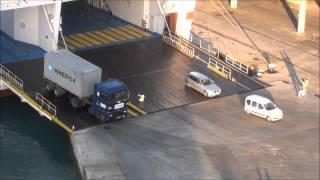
<point>141,100</point>
<point>305,84</point>
<point>303,88</point>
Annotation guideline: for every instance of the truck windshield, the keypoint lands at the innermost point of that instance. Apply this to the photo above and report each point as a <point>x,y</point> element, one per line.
<point>113,98</point>
<point>269,106</point>
<point>119,96</point>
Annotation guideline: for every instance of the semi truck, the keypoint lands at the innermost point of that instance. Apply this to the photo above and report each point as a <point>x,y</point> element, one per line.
<point>65,72</point>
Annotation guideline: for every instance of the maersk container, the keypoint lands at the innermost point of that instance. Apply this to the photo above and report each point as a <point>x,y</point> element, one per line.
<point>71,72</point>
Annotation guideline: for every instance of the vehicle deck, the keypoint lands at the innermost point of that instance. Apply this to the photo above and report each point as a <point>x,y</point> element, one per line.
<point>150,67</point>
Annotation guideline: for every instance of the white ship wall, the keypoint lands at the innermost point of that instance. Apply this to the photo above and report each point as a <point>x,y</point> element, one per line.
<point>7,22</point>
<point>26,25</point>
<point>129,10</point>
<point>134,11</point>
<point>30,25</point>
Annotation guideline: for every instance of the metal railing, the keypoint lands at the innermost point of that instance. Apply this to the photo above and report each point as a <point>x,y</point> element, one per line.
<point>242,67</point>
<point>11,77</point>
<point>186,47</point>
<point>46,104</point>
<point>178,44</point>
<point>40,104</point>
<point>219,68</point>
<point>216,53</point>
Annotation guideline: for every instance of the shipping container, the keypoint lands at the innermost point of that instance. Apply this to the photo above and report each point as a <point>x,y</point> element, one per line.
<point>71,72</point>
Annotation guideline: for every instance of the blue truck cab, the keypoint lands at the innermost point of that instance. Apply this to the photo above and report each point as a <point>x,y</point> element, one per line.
<point>110,100</point>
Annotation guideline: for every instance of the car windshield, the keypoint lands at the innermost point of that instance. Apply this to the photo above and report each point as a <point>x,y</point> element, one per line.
<point>206,82</point>
<point>270,106</point>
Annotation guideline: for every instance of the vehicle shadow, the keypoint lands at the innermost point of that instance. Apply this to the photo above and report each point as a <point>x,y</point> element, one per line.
<point>292,72</point>
<point>260,174</point>
<point>290,13</point>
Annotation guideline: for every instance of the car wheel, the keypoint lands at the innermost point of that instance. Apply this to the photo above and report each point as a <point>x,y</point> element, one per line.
<point>268,118</point>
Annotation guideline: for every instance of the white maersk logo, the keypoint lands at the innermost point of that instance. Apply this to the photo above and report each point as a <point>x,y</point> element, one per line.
<point>50,67</point>
<point>61,73</point>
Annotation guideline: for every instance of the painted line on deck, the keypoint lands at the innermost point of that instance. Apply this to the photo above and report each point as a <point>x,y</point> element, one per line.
<point>73,42</point>
<point>115,35</point>
<point>61,45</point>
<point>76,38</point>
<point>87,38</point>
<point>123,28</point>
<point>136,108</point>
<point>118,31</point>
<point>105,36</point>
<point>138,30</point>
<point>132,113</point>
<point>98,38</point>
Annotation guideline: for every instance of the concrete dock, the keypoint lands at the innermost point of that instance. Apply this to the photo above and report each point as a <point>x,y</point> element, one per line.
<point>207,140</point>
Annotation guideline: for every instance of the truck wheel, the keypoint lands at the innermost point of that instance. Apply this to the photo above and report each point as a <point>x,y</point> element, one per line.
<point>101,117</point>
<point>58,91</point>
<point>49,86</point>
<point>75,103</point>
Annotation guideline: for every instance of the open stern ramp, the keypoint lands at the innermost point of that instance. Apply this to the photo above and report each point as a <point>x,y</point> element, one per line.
<point>39,103</point>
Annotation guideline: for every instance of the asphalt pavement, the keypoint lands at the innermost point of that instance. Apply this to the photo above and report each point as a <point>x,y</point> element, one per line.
<point>214,140</point>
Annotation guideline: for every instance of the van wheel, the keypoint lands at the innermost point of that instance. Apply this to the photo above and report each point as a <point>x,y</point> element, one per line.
<point>247,111</point>
<point>268,118</point>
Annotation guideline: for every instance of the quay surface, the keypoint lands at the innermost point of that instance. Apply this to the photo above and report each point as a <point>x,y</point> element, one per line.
<point>207,140</point>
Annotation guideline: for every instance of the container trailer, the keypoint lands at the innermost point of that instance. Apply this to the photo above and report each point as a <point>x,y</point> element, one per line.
<point>65,72</point>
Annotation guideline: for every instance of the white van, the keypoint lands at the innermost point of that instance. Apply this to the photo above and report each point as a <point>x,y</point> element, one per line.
<point>262,107</point>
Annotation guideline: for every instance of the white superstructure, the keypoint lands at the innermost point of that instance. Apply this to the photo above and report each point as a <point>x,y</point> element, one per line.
<point>38,22</point>
<point>178,13</point>
<point>32,21</point>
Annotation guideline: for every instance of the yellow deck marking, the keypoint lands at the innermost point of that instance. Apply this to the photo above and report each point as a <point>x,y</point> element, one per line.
<point>83,36</point>
<point>136,108</point>
<point>105,36</point>
<point>129,31</point>
<point>76,38</point>
<point>73,43</point>
<point>98,38</point>
<point>118,31</point>
<point>61,45</point>
<point>131,112</point>
<point>138,30</point>
<point>108,32</point>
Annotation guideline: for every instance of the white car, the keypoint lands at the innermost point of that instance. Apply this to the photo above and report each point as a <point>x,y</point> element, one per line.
<point>202,84</point>
<point>263,107</point>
